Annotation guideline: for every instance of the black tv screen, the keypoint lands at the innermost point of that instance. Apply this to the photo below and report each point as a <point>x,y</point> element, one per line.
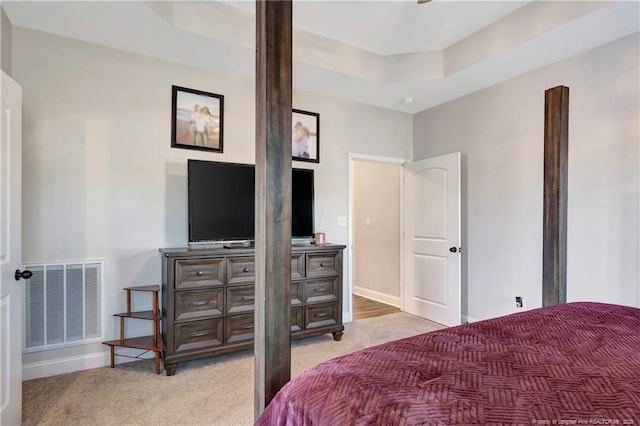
<point>221,199</point>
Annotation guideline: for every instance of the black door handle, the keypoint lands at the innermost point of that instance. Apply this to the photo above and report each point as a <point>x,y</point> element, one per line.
<point>22,274</point>
<point>453,249</point>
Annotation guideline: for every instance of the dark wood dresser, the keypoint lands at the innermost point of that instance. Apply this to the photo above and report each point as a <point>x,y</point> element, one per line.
<point>208,298</point>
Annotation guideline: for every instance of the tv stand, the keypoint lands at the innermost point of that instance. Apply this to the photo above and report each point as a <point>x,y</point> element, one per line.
<point>208,299</point>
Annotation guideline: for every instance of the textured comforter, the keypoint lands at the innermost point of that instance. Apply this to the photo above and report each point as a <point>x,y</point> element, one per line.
<point>577,363</point>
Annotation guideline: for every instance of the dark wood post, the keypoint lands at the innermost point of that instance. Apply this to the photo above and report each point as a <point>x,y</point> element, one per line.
<point>556,152</point>
<point>273,200</point>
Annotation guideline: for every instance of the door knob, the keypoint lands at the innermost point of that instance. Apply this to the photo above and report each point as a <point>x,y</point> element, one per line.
<point>22,274</point>
<point>453,249</point>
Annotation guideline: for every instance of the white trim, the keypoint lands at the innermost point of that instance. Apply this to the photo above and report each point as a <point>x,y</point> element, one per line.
<point>469,319</point>
<point>375,158</point>
<point>350,276</point>
<point>53,367</point>
<point>63,262</point>
<point>71,344</point>
<point>378,296</point>
<point>36,370</point>
<point>402,244</point>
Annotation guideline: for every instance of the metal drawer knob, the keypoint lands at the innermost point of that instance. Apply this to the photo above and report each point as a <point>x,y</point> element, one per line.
<point>322,264</point>
<point>199,334</point>
<point>320,289</point>
<point>324,314</point>
<point>199,273</point>
<point>245,270</point>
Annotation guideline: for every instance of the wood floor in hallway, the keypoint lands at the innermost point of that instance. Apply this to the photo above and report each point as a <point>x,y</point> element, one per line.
<point>367,308</point>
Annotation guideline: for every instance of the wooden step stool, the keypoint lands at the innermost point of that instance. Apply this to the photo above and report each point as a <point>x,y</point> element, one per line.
<point>146,343</point>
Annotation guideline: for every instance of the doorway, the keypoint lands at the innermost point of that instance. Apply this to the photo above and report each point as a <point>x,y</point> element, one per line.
<point>375,238</point>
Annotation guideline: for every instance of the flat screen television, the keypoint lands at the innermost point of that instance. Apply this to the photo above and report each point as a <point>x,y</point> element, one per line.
<point>221,202</point>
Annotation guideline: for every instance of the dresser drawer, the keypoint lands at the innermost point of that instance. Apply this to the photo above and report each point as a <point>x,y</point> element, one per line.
<point>296,293</point>
<point>241,270</point>
<point>240,299</point>
<point>198,303</point>
<point>297,320</point>
<point>239,328</point>
<point>321,315</point>
<point>297,266</point>
<point>198,334</point>
<point>322,264</point>
<point>321,290</point>
<point>199,273</point>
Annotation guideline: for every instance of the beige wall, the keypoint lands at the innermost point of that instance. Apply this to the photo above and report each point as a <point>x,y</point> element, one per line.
<point>377,230</point>
<point>101,180</point>
<point>5,42</point>
<point>499,131</point>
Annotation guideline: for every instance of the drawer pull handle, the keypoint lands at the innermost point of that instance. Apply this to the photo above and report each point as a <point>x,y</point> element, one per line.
<point>200,302</point>
<point>324,314</point>
<point>320,289</point>
<point>247,326</point>
<point>322,264</point>
<point>247,298</point>
<point>199,334</point>
<point>199,273</point>
<point>245,269</point>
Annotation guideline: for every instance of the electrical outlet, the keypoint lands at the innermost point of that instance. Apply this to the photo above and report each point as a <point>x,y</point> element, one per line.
<point>519,302</point>
<point>342,221</point>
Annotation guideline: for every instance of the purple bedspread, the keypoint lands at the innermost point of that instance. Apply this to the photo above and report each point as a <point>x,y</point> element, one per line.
<point>577,363</point>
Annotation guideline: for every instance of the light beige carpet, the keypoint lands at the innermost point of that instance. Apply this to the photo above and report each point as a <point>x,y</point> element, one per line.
<point>212,391</point>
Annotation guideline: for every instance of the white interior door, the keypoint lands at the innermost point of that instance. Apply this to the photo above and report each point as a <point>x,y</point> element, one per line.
<point>10,253</point>
<point>432,239</point>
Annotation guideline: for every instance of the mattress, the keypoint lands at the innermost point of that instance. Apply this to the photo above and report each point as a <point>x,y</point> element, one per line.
<point>575,363</point>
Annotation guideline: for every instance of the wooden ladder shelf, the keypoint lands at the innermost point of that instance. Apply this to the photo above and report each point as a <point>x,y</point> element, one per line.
<point>145,343</point>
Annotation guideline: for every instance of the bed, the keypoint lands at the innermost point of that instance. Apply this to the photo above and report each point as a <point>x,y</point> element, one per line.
<point>576,363</point>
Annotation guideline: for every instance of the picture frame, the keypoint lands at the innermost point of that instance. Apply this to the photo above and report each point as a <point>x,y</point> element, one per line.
<point>196,119</point>
<point>305,136</point>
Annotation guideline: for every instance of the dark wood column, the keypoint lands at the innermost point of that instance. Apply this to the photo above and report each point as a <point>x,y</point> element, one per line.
<point>273,200</point>
<point>556,152</point>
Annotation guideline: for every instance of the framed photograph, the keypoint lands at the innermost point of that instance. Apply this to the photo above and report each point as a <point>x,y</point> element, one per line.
<point>196,119</point>
<point>306,136</point>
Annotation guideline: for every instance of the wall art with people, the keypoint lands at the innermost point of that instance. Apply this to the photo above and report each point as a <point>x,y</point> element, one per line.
<point>197,119</point>
<point>306,136</point>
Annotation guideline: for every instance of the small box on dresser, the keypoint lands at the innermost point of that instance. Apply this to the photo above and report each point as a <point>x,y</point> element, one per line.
<point>208,299</point>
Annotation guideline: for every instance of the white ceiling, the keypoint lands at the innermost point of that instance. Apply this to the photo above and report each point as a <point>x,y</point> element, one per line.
<point>392,27</point>
<point>375,52</point>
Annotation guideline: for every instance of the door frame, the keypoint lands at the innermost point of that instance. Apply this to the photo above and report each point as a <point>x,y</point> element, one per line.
<point>353,157</point>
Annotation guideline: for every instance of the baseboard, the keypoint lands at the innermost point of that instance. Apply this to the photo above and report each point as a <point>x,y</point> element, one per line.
<point>53,367</point>
<point>377,296</point>
<point>468,319</point>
